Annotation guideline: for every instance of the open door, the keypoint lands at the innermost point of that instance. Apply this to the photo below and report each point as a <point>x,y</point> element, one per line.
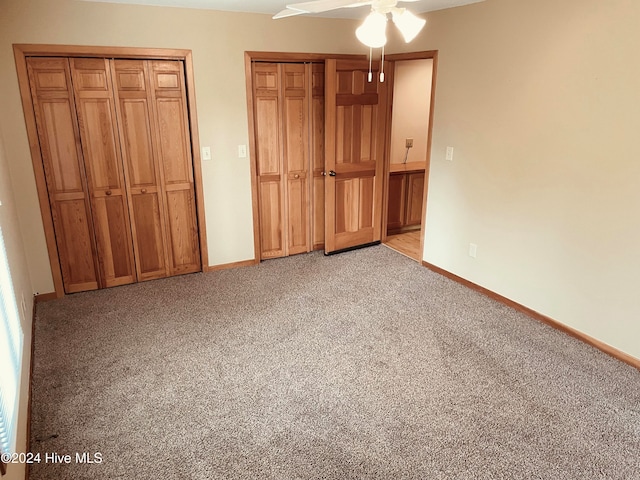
<point>355,131</point>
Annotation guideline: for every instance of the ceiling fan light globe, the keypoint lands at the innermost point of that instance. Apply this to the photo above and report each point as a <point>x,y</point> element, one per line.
<point>408,24</point>
<point>372,32</point>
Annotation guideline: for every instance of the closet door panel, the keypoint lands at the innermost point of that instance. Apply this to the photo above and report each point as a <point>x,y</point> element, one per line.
<point>297,210</point>
<point>112,233</point>
<point>269,151</point>
<point>271,240</point>
<point>295,94</point>
<point>174,148</point>
<point>296,117</point>
<point>145,210</point>
<point>62,161</point>
<point>268,142</point>
<point>167,82</point>
<point>54,108</point>
<point>183,231</point>
<point>75,245</point>
<point>174,154</point>
<point>99,144</point>
<point>137,138</point>
<point>142,175</point>
<point>98,132</point>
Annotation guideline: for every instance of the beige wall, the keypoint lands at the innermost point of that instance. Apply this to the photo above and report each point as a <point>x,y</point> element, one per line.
<point>22,289</point>
<point>411,102</point>
<point>218,41</point>
<point>540,100</point>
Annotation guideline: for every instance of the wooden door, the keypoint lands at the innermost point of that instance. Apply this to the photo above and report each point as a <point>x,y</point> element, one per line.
<point>146,206</point>
<point>103,167</point>
<point>355,123</point>
<point>171,122</point>
<point>317,155</point>
<point>55,113</point>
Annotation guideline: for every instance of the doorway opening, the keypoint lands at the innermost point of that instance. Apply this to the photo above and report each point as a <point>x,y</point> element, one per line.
<point>408,151</point>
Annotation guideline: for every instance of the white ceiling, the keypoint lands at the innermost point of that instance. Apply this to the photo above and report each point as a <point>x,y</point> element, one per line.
<point>274,6</point>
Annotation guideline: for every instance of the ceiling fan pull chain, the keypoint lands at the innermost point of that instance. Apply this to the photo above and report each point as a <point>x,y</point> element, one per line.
<point>370,78</point>
<point>382,66</point>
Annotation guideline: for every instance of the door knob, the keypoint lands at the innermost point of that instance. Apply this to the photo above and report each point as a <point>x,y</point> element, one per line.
<point>324,174</point>
<point>108,192</point>
<point>144,190</point>
<point>332,173</point>
<point>296,176</point>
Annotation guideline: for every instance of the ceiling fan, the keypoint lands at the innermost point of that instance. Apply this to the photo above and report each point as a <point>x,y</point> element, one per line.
<point>373,31</point>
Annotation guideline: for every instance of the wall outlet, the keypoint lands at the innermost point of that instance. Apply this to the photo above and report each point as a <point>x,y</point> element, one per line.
<point>409,143</point>
<point>473,250</point>
<point>206,153</point>
<point>450,154</point>
<point>242,151</point>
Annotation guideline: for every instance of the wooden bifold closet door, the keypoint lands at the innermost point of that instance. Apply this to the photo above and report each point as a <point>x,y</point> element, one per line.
<point>103,168</point>
<point>288,101</point>
<point>114,138</point>
<point>56,119</point>
<point>157,157</point>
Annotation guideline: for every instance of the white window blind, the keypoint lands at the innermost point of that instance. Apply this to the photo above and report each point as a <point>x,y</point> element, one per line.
<point>11,343</point>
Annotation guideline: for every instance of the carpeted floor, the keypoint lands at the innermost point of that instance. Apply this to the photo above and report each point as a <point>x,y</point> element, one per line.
<point>361,365</point>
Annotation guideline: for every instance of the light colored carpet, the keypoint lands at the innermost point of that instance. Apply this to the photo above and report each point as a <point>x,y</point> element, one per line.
<point>361,365</point>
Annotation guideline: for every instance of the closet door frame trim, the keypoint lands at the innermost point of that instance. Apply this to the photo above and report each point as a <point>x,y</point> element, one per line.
<point>23,51</point>
<point>275,57</point>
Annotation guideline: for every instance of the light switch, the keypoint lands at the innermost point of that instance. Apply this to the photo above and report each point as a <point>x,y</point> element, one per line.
<point>242,151</point>
<point>206,153</point>
<point>450,153</point>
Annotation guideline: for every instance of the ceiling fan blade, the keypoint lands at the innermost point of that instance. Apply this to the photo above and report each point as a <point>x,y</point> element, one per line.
<point>287,13</point>
<point>319,6</point>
